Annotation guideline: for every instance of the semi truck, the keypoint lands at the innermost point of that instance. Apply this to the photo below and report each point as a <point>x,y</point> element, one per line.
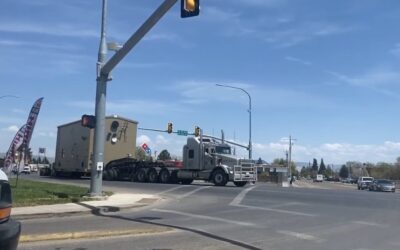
<point>204,158</point>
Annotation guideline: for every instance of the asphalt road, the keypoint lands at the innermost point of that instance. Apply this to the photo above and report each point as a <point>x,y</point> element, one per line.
<point>263,216</point>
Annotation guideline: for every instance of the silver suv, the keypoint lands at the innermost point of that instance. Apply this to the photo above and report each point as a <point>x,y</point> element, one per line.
<point>364,182</point>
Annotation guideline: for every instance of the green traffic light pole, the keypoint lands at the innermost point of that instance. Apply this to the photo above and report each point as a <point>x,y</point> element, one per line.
<point>103,76</point>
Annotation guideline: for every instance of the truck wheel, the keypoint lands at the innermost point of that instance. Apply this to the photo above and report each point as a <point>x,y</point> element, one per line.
<point>240,183</point>
<point>187,181</point>
<point>164,176</point>
<point>141,175</point>
<point>153,176</point>
<point>220,178</point>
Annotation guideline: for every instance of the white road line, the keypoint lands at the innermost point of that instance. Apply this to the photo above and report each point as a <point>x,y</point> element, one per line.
<point>367,223</point>
<point>171,189</point>
<point>192,192</point>
<point>277,210</point>
<point>287,204</point>
<point>301,236</point>
<point>198,216</point>
<point>238,199</point>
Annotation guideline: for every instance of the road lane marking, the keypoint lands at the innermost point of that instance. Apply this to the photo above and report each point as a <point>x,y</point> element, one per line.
<point>192,192</point>
<point>238,199</point>
<point>288,204</point>
<point>368,223</point>
<point>301,236</point>
<point>277,210</point>
<point>198,216</point>
<point>171,189</point>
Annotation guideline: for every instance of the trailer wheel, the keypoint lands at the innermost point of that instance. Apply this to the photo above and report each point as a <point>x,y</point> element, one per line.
<point>153,176</point>
<point>164,176</point>
<point>187,181</point>
<point>240,183</point>
<point>220,178</point>
<point>141,175</point>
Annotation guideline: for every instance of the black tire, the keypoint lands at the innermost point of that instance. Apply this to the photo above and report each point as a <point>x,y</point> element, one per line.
<point>164,176</point>
<point>152,176</point>
<point>108,175</point>
<point>219,178</point>
<point>141,175</point>
<point>186,181</point>
<point>240,183</point>
<point>114,174</point>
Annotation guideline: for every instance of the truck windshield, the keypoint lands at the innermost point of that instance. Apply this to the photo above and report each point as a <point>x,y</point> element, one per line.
<point>223,150</point>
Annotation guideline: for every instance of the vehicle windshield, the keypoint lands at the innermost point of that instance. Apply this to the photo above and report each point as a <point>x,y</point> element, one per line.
<point>384,182</point>
<point>368,179</point>
<point>223,150</point>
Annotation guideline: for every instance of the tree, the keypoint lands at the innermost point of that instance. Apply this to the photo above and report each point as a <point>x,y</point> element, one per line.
<point>140,154</point>
<point>322,168</point>
<point>329,172</point>
<point>279,161</point>
<point>164,155</point>
<point>314,166</point>
<point>45,160</point>
<point>344,172</point>
<point>259,161</point>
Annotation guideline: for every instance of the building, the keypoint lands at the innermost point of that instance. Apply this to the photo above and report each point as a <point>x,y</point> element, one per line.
<point>74,148</point>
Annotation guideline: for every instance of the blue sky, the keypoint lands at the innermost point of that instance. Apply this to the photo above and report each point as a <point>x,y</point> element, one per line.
<point>326,72</point>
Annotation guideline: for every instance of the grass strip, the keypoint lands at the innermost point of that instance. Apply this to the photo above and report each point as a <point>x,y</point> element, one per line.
<point>32,193</point>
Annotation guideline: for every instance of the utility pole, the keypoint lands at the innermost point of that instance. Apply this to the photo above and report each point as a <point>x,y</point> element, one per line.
<point>290,154</point>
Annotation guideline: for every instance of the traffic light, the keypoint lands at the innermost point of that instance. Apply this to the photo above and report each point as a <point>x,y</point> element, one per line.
<point>190,8</point>
<point>169,128</point>
<point>88,121</point>
<point>196,131</point>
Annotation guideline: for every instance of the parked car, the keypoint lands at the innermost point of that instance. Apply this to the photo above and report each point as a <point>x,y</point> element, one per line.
<point>382,185</point>
<point>363,182</point>
<point>26,170</point>
<point>10,229</point>
<point>319,178</point>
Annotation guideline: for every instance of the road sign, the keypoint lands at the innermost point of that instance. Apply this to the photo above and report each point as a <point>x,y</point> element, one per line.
<point>182,132</point>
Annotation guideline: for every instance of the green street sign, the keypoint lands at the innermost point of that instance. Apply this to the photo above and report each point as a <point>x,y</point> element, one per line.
<point>182,132</point>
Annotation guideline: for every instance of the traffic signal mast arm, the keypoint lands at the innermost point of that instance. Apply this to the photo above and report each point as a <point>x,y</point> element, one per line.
<point>230,142</point>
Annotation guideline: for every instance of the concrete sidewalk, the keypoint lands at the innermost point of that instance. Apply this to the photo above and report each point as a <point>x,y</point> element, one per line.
<point>114,203</point>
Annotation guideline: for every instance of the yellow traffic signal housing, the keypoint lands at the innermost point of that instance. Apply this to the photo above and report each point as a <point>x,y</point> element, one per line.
<point>196,131</point>
<point>169,128</point>
<point>190,8</point>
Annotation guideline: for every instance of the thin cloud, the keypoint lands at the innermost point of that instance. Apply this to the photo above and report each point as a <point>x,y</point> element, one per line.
<point>60,29</point>
<point>297,60</point>
<point>12,128</point>
<point>381,80</point>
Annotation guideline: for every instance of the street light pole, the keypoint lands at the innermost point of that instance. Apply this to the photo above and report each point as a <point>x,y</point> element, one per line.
<point>101,91</point>
<point>247,93</point>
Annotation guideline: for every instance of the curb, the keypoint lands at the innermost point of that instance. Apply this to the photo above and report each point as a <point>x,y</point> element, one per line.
<point>94,210</point>
<point>91,234</point>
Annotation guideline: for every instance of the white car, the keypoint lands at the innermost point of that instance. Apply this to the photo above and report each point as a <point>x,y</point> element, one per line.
<point>26,170</point>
